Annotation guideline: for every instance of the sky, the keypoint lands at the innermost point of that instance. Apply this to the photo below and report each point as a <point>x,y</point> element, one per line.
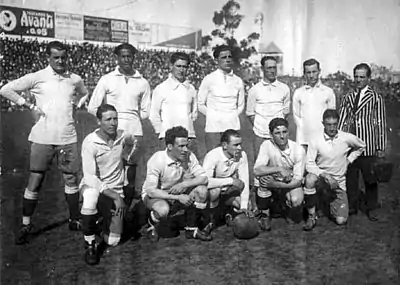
<point>338,33</point>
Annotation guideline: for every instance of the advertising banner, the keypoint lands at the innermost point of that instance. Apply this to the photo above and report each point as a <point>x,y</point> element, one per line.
<point>96,29</point>
<point>68,26</point>
<point>119,31</point>
<point>139,33</point>
<point>26,22</point>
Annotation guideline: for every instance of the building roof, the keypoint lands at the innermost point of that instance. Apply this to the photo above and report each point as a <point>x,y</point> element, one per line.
<point>271,48</point>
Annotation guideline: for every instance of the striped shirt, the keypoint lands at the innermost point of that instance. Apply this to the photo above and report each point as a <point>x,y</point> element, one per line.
<point>309,103</point>
<point>221,170</point>
<point>102,164</point>
<point>267,101</point>
<point>130,95</point>
<point>367,121</point>
<point>54,94</point>
<point>221,100</point>
<point>173,104</point>
<point>332,155</point>
<point>163,172</point>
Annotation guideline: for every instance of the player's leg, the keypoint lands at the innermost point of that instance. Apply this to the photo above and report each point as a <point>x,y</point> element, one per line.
<point>212,140</point>
<point>159,210</point>
<point>89,218</point>
<point>212,211</point>
<point>294,202</point>
<point>194,212</point>
<point>371,187</point>
<point>264,203</point>
<point>112,223</point>
<point>310,199</point>
<point>339,208</point>
<point>131,170</point>
<point>40,158</point>
<point>67,156</point>
<point>352,186</point>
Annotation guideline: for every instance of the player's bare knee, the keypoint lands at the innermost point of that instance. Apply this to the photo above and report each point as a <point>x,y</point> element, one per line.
<point>161,210</point>
<point>311,180</point>
<point>200,193</point>
<point>214,194</point>
<point>296,201</point>
<point>341,220</point>
<point>90,198</point>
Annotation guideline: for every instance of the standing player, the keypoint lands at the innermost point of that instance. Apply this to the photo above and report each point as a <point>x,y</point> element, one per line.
<point>221,98</point>
<point>126,90</point>
<point>227,169</point>
<point>174,101</point>
<point>103,179</point>
<point>268,99</point>
<point>363,113</point>
<point>327,158</point>
<point>174,175</point>
<point>310,102</point>
<point>280,166</point>
<point>53,134</point>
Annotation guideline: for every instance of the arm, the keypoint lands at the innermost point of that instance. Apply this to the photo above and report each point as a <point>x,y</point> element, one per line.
<point>209,165</point>
<point>331,100</point>
<point>251,105</point>
<point>240,100</point>
<point>194,105</point>
<point>358,147</point>
<point>145,102</point>
<point>83,93</point>
<point>286,102</point>
<point>297,109</point>
<point>243,172</point>
<point>199,175</point>
<point>202,96</point>
<point>261,167</point>
<point>311,165</point>
<point>155,110</point>
<point>97,97</point>
<point>380,117</point>
<point>12,89</point>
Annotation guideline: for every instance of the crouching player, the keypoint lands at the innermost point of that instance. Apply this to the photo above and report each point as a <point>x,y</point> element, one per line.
<point>227,170</point>
<point>174,175</point>
<point>327,158</point>
<point>280,166</point>
<point>103,152</point>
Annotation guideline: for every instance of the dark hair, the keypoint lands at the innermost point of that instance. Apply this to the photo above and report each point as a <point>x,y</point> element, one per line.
<point>219,49</point>
<point>330,113</point>
<point>127,46</point>
<point>175,132</point>
<point>55,45</point>
<point>309,62</point>
<point>277,122</point>
<point>104,108</point>
<point>363,66</point>
<point>268,57</point>
<point>179,55</point>
<point>226,136</point>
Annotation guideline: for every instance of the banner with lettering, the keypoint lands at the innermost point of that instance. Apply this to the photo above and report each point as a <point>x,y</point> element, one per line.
<point>139,33</point>
<point>26,22</point>
<point>68,26</point>
<point>119,31</point>
<point>96,29</point>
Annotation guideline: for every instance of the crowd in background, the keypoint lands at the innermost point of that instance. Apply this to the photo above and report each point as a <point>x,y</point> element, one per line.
<point>21,56</point>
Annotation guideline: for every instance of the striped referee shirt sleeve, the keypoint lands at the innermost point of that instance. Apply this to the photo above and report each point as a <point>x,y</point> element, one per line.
<point>380,118</point>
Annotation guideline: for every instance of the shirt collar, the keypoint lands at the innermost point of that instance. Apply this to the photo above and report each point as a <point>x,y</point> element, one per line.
<point>170,161</point>
<point>229,161</point>
<point>118,73</point>
<point>328,138</point>
<point>225,73</point>
<point>174,83</point>
<point>99,140</point>
<point>67,73</point>
<point>317,85</point>
<point>266,83</point>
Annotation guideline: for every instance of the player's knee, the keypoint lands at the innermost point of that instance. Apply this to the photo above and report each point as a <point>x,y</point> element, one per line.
<point>296,200</point>
<point>214,194</point>
<point>161,210</point>
<point>90,198</point>
<point>112,239</point>
<point>341,220</point>
<point>311,180</point>
<point>71,180</point>
<point>200,193</point>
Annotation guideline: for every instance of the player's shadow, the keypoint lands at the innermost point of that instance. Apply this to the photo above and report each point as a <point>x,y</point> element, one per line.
<point>36,233</point>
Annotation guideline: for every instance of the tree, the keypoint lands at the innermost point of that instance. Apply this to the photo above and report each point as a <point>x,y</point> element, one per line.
<point>381,72</point>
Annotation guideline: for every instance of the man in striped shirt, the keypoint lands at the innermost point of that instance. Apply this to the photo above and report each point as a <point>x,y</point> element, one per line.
<point>53,134</point>
<point>362,112</point>
<point>310,102</point>
<point>174,101</point>
<point>328,158</point>
<point>221,98</point>
<point>127,90</point>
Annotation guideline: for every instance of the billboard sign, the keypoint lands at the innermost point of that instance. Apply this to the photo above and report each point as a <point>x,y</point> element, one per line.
<point>119,31</point>
<point>96,29</point>
<point>68,26</point>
